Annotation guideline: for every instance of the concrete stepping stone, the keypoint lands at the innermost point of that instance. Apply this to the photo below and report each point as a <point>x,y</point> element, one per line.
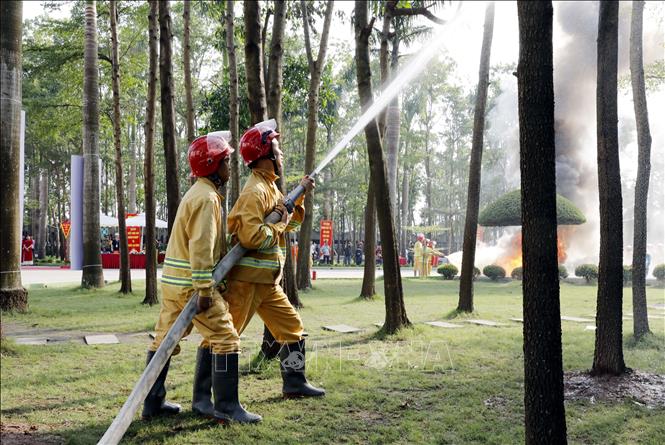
<point>589,328</point>
<point>517,320</point>
<point>105,339</point>
<point>31,340</point>
<point>576,319</point>
<point>486,323</point>
<point>443,324</point>
<point>343,328</point>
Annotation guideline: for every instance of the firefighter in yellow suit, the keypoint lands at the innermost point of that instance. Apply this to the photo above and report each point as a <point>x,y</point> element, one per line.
<point>418,255</point>
<point>196,243</point>
<point>253,283</point>
<point>429,253</point>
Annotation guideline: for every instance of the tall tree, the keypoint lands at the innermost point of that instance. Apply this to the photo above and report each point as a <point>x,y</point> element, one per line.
<point>465,302</point>
<point>149,161</point>
<point>93,274</point>
<point>394,299</point>
<point>640,319</point>
<point>368,287</point>
<point>12,294</point>
<point>234,109</point>
<point>42,227</point>
<point>188,71</point>
<point>125,274</point>
<point>168,112</point>
<point>544,414</point>
<point>315,66</point>
<point>256,92</point>
<point>608,353</point>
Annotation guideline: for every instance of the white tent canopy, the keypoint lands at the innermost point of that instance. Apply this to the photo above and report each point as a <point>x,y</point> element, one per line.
<point>139,221</point>
<point>107,221</point>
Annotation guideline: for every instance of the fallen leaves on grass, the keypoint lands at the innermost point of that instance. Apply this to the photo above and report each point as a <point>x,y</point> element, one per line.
<point>25,434</point>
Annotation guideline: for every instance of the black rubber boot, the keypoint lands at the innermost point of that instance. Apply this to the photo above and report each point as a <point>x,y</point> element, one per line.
<point>292,365</point>
<point>225,389</point>
<point>202,396</point>
<point>155,403</point>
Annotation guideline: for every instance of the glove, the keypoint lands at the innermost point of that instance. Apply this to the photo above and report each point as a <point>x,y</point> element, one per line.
<point>203,304</point>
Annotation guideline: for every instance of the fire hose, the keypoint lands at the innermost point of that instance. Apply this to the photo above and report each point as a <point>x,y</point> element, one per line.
<point>117,430</point>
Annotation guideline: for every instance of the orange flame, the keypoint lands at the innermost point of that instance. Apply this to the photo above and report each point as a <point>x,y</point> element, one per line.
<point>512,258</point>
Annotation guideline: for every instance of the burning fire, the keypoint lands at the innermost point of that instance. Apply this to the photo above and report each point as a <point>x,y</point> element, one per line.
<point>512,257</point>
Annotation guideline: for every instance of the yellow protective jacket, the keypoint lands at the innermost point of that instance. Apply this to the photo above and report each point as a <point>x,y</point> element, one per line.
<point>265,242</point>
<point>197,242</point>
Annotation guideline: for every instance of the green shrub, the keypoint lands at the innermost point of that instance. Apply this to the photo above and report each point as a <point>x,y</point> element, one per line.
<point>448,271</point>
<point>494,272</point>
<point>587,271</point>
<point>627,275</point>
<point>659,272</point>
<point>516,274</point>
<point>563,272</point>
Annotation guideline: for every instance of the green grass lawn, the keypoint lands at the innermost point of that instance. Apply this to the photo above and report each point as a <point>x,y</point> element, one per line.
<point>425,385</point>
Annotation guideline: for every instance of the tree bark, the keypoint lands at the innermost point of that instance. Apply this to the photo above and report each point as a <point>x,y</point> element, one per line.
<point>168,113</point>
<point>545,417</point>
<point>256,93</point>
<point>42,226</point>
<point>191,130</point>
<point>233,103</point>
<point>93,274</point>
<point>125,274</point>
<point>315,70</point>
<point>368,288</point>
<point>640,319</point>
<point>131,192</point>
<point>149,161</point>
<point>465,303</point>
<point>395,311</point>
<point>13,297</point>
<point>608,353</point>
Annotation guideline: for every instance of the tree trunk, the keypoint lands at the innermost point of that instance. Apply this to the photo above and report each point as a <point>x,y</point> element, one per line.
<point>168,113</point>
<point>395,311</point>
<point>545,417</point>
<point>93,274</point>
<point>125,274</point>
<point>640,319</point>
<point>465,303</point>
<point>608,354</point>
<point>405,208</point>
<point>12,294</point>
<point>191,130</point>
<point>368,288</point>
<point>149,162</point>
<point>270,347</point>
<point>256,93</point>
<point>233,103</point>
<point>131,192</point>
<point>315,70</point>
<point>42,226</point>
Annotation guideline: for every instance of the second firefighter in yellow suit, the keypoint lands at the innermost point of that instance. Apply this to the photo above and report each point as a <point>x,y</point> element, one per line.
<point>418,255</point>
<point>253,283</point>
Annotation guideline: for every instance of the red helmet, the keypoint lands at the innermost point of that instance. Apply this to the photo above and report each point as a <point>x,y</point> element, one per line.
<point>206,152</point>
<point>421,236</point>
<point>256,143</point>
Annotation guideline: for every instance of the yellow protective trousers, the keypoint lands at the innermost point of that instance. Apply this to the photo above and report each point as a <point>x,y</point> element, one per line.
<point>215,325</point>
<point>270,302</point>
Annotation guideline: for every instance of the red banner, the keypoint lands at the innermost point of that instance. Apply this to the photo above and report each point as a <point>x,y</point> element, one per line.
<point>133,237</point>
<point>66,227</point>
<point>326,233</point>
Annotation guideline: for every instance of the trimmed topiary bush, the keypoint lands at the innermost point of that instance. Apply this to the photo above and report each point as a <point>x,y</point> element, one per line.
<point>563,272</point>
<point>659,272</point>
<point>587,271</point>
<point>448,271</point>
<point>627,275</point>
<point>507,211</point>
<point>516,274</point>
<point>494,272</point>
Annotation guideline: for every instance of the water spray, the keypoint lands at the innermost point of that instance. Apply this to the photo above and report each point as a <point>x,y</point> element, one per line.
<point>117,430</point>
